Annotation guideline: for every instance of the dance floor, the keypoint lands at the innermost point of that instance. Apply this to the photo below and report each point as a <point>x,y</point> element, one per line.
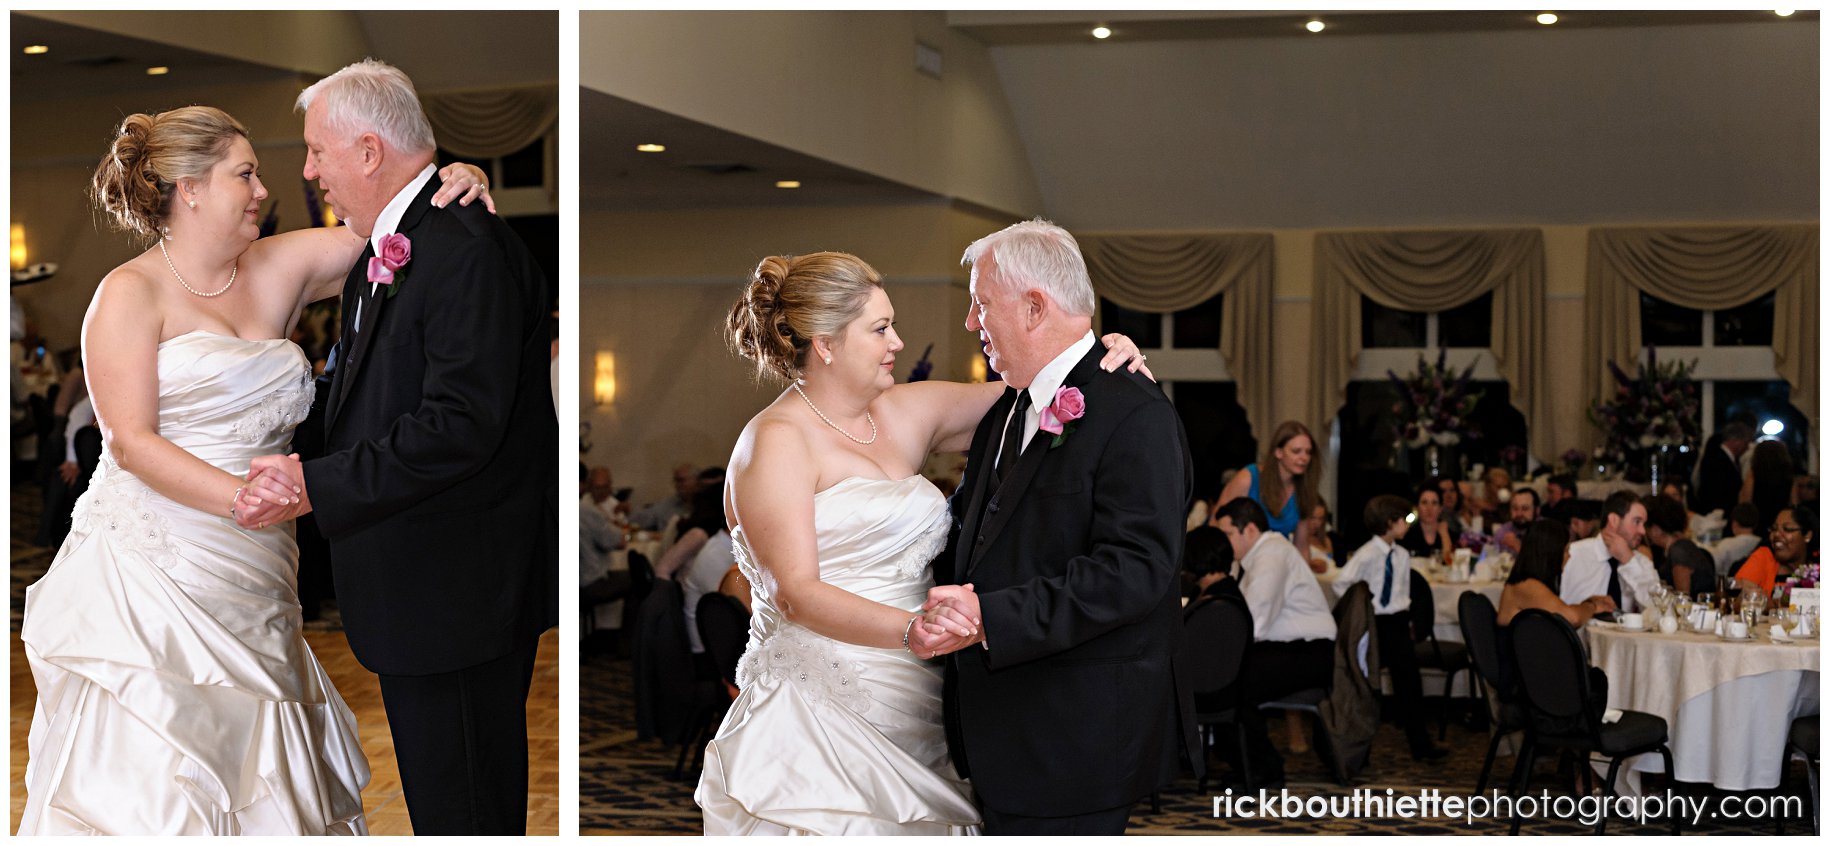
<point>626,785</point>
<point>381,800</point>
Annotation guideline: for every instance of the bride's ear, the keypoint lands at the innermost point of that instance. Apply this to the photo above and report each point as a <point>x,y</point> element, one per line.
<point>821,348</point>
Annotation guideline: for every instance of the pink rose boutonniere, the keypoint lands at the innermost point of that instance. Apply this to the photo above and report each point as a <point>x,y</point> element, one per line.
<point>387,267</point>
<point>1058,418</point>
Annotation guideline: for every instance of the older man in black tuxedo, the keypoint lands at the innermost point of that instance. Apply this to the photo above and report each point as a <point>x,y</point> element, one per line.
<point>437,487</point>
<point>1067,533</point>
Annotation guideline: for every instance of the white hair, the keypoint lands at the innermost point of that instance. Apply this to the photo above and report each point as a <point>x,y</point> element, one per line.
<point>1039,253</point>
<point>372,96</point>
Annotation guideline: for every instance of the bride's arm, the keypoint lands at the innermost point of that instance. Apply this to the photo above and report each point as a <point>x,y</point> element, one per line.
<point>772,480</point>
<point>120,344</point>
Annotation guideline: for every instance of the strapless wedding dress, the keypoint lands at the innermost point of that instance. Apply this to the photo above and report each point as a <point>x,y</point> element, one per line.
<point>829,737</point>
<point>175,692</point>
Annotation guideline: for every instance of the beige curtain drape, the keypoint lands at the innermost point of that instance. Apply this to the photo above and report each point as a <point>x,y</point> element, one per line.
<point>1162,273</point>
<point>487,124</point>
<point>1432,271</point>
<point>1705,268</point>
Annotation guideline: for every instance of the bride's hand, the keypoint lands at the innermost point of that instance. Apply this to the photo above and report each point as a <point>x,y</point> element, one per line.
<point>1121,349</point>
<point>464,183</point>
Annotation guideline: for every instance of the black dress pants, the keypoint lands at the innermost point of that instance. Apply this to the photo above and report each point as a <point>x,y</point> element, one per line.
<point>461,741</point>
<point>1398,654</point>
<point>1274,669</point>
<point>1109,821</point>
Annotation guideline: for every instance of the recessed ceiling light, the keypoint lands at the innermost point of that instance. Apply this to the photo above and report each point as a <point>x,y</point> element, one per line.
<point>788,183</point>
<point>1102,32</point>
<point>1784,13</point>
<point>651,148</point>
<point>1315,26</point>
<point>159,70</point>
<point>35,49</point>
<point>1547,19</point>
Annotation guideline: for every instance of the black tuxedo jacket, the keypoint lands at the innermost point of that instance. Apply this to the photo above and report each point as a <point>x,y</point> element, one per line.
<point>437,487</point>
<point>1718,481</point>
<point>1077,703</point>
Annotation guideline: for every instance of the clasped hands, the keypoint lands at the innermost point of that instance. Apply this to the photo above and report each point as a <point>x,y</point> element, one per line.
<point>275,492</point>
<point>950,622</point>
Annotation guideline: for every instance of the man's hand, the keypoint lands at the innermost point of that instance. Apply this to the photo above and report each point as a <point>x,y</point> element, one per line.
<point>956,606</point>
<point>275,492</point>
<point>68,471</point>
<point>1617,546</point>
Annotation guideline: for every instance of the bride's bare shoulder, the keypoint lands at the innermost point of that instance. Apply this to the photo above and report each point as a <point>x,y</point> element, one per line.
<point>772,434</point>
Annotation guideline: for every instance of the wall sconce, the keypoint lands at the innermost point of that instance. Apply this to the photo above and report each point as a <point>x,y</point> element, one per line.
<point>18,249</point>
<point>605,383</point>
<point>979,369</point>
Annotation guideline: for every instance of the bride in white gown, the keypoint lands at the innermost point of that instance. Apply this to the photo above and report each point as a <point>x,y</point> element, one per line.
<point>837,728</point>
<point>175,693</point>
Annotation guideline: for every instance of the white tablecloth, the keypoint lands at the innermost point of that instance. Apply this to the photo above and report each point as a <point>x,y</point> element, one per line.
<point>1447,597</point>
<point>1588,488</point>
<point>1728,704</point>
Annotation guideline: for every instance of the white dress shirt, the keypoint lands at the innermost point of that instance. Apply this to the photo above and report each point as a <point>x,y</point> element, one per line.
<point>1042,390</point>
<point>1286,603</point>
<point>388,222</point>
<point>1733,550</point>
<point>1368,565</point>
<point>1586,575</point>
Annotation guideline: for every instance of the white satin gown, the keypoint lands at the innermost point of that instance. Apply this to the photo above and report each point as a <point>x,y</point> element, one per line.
<point>176,694</point>
<point>829,737</point>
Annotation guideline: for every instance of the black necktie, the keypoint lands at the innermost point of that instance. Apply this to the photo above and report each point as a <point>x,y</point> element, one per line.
<point>1385,593</point>
<point>1614,582</point>
<point>1013,438</point>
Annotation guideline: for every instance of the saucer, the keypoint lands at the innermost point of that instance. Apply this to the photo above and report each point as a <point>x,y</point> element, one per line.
<point>1626,628</point>
<point>1732,639</point>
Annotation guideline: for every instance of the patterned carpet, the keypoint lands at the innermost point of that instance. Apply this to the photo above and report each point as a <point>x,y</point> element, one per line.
<point>626,786</point>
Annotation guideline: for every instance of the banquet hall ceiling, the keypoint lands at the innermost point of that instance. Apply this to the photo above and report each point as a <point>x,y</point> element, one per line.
<point>1243,119</point>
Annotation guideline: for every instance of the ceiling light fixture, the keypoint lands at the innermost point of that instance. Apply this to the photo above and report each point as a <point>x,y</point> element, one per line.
<point>788,183</point>
<point>1315,26</point>
<point>1102,32</point>
<point>1547,18</point>
<point>1784,13</point>
<point>159,70</point>
<point>651,148</point>
<point>36,49</point>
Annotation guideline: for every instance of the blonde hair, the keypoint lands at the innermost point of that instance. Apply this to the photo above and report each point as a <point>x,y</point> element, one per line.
<point>135,184</point>
<point>372,96</point>
<point>1270,475</point>
<point>789,301</point>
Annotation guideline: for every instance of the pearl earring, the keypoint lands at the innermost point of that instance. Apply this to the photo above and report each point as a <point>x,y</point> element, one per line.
<point>193,204</point>
<point>827,359</point>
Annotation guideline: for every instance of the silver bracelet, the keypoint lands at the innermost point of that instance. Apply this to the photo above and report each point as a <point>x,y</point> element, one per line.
<point>905,634</point>
<point>234,501</point>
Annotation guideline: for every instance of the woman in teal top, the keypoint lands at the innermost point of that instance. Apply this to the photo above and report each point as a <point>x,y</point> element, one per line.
<point>1288,493</point>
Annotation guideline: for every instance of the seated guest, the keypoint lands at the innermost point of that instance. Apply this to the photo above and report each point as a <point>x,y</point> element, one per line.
<point>1804,490</point>
<point>1292,627</point>
<point>1430,534</point>
<point>1678,560</point>
<point>699,559</point>
<point>1541,562</point>
<point>1386,570</point>
<point>1523,510</point>
<point>1582,517</point>
<point>1207,561</point>
<point>656,515</point>
<point>1455,509</point>
<point>1741,540</point>
<point>600,492</point>
<point>597,538</point>
<point>1559,487</point>
<point>1321,539</point>
<point>1495,494</point>
<point>1788,546</point>
<point>1610,563</point>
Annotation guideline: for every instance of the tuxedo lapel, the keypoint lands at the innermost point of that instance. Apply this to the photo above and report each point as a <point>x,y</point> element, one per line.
<point>372,308</point>
<point>980,460</point>
<point>1003,503</point>
<point>352,291</point>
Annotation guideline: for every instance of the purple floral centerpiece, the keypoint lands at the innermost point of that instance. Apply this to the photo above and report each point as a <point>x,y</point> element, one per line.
<point>1659,408</point>
<point>1436,403</point>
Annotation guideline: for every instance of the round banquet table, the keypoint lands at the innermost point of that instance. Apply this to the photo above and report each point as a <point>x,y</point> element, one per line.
<point>1727,704</point>
<point>1447,597</point>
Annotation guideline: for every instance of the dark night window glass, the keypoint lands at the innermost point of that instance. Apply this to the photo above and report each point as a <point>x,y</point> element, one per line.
<point>1749,325</point>
<point>1663,324</point>
<point>1198,327</point>
<point>1391,327</point>
<point>1469,325</point>
<point>526,167</point>
<point>1219,438</point>
<point>1146,330</point>
<point>446,157</point>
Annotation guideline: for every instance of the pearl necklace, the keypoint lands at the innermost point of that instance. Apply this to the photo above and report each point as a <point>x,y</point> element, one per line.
<point>835,426</point>
<point>187,286</point>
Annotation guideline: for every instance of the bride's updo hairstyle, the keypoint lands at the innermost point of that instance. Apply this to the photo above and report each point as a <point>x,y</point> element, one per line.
<point>134,185</point>
<point>789,301</point>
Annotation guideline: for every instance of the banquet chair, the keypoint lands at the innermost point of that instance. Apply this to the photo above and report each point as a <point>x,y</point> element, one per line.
<point>1449,658</point>
<point>1480,629</point>
<point>1346,717</point>
<point>1802,741</point>
<point>641,582</point>
<point>724,629</point>
<point>1216,635</point>
<point>1554,673</point>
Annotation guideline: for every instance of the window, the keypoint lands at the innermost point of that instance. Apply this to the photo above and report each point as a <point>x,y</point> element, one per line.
<point>524,182</point>
<point>1465,326</point>
<point>1733,351</point>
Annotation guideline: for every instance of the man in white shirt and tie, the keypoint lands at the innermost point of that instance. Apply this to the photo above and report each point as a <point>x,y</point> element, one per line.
<point>1292,626</point>
<point>1385,567</point>
<point>1610,563</point>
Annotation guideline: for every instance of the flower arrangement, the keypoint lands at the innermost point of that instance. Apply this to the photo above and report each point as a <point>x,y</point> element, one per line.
<point>1436,403</point>
<point>1513,456</point>
<point>1573,459</point>
<point>1659,408</point>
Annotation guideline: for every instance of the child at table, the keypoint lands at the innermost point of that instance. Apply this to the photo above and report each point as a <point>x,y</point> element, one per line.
<point>1385,567</point>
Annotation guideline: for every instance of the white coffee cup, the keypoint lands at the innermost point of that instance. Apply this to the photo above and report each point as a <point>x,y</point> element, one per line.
<point>1632,621</point>
<point>1737,630</point>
